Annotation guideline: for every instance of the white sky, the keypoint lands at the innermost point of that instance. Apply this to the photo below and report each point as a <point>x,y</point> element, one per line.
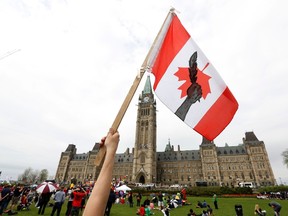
<point>78,59</point>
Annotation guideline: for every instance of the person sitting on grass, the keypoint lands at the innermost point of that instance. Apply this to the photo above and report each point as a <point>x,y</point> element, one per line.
<point>205,213</point>
<point>258,211</point>
<point>209,210</point>
<point>151,205</point>
<point>141,210</point>
<point>204,204</point>
<point>191,213</point>
<point>199,204</point>
<point>147,201</point>
<point>147,211</point>
<point>165,211</point>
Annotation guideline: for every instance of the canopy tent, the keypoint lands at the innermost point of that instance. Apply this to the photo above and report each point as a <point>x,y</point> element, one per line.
<point>123,188</point>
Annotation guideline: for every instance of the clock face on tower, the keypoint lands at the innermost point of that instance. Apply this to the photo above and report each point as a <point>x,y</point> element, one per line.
<point>146,99</point>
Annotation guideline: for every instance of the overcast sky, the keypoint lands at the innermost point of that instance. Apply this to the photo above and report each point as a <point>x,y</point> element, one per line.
<point>66,67</point>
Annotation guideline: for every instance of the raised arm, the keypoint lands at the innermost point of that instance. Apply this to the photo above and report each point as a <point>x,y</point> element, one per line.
<point>97,201</point>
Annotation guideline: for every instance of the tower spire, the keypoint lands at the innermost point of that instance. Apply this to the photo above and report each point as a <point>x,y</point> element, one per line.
<point>147,88</point>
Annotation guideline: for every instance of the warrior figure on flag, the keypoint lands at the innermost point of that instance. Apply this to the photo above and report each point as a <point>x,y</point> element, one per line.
<point>194,92</point>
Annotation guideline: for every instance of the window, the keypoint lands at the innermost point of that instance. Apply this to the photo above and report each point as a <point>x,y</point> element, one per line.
<point>142,158</point>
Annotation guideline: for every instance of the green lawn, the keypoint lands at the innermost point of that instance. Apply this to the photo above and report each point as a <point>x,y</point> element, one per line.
<point>226,208</point>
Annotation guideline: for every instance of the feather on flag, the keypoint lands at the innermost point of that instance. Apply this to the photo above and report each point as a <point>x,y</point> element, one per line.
<point>187,83</point>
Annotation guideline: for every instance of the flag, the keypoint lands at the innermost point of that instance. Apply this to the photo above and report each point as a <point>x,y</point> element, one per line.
<point>187,83</point>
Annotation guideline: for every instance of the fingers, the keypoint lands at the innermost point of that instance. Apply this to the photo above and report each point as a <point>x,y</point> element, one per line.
<point>111,132</point>
<point>103,140</point>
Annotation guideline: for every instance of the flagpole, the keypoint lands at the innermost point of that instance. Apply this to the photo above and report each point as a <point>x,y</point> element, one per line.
<point>102,151</point>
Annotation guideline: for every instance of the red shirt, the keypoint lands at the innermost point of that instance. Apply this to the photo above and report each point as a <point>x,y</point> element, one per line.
<point>77,198</point>
<point>142,211</point>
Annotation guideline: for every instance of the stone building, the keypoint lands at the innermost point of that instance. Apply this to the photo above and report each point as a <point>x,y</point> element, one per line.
<point>211,165</point>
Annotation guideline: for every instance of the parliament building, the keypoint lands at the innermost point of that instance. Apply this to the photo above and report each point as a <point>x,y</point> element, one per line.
<point>209,165</point>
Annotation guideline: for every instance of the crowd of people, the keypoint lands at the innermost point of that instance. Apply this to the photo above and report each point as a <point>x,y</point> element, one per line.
<point>18,197</point>
<point>99,194</point>
<point>162,202</point>
<point>283,195</point>
<point>14,197</point>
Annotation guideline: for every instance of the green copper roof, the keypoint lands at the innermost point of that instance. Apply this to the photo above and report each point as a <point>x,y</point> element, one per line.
<point>147,87</point>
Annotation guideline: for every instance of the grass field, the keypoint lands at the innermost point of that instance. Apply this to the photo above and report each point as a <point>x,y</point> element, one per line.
<point>226,208</point>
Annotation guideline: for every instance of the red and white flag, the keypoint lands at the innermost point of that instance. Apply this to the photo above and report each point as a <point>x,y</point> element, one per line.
<point>187,83</point>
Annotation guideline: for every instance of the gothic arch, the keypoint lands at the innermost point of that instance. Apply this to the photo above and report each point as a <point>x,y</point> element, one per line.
<point>141,178</point>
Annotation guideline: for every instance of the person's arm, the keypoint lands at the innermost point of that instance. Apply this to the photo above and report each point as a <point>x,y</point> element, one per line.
<point>84,191</point>
<point>97,201</point>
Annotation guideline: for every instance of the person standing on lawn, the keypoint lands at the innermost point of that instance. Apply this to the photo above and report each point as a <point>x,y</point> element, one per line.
<point>78,195</point>
<point>43,201</point>
<point>130,199</point>
<point>16,196</point>
<point>69,204</point>
<point>215,201</point>
<point>183,193</point>
<point>111,201</point>
<point>5,197</point>
<point>160,199</point>
<point>59,198</point>
<point>138,198</point>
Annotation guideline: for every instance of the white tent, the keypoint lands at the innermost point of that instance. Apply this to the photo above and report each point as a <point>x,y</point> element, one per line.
<point>123,188</point>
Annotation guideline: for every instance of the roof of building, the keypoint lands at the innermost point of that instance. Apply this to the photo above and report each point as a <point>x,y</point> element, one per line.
<point>178,155</point>
<point>231,150</point>
<point>125,157</point>
<point>71,147</point>
<point>250,136</point>
<point>147,88</point>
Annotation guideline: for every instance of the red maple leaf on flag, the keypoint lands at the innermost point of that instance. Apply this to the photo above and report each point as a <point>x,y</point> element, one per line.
<point>202,80</point>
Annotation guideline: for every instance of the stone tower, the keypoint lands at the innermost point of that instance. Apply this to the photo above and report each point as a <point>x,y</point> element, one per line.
<point>63,167</point>
<point>144,162</point>
<point>261,169</point>
<point>209,161</point>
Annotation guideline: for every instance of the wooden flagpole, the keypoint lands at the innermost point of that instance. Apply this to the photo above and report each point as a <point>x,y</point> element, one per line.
<point>101,154</point>
<point>102,151</point>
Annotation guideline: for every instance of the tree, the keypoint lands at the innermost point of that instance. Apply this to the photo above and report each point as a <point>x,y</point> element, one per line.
<point>31,176</point>
<point>28,176</point>
<point>43,175</point>
<point>285,157</point>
